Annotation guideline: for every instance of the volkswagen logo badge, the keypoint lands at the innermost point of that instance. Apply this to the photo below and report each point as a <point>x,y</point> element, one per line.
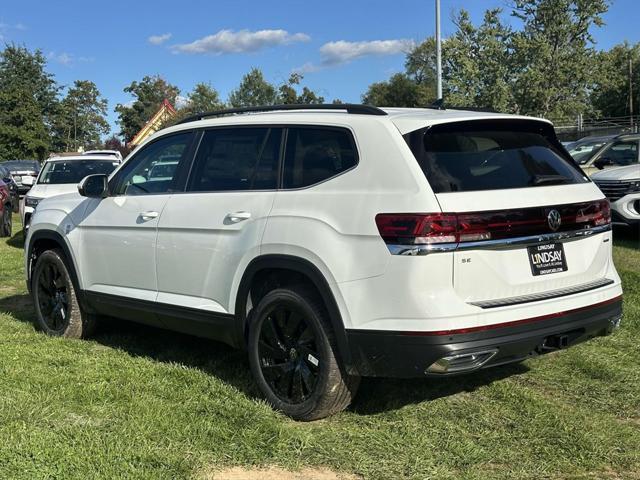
<point>554,219</point>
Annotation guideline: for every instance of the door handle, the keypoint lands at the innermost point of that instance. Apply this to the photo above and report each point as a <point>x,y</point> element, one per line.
<point>238,216</point>
<point>148,215</point>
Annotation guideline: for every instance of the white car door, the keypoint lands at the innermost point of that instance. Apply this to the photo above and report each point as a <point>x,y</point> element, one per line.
<point>213,229</point>
<point>118,233</point>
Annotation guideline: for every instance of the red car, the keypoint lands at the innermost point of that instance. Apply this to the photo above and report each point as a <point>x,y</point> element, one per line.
<point>5,210</point>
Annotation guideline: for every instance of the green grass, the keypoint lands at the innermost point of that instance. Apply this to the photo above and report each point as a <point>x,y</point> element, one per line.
<point>137,402</point>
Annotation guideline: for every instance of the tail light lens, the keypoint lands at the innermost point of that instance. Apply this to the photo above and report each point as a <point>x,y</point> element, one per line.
<point>413,229</point>
<point>434,228</point>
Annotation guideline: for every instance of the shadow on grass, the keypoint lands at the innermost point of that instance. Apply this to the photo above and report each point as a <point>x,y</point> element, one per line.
<point>376,395</point>
<point>626,236</point>
<point>17,240</point>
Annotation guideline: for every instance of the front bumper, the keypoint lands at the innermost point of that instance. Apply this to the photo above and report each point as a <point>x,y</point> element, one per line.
<point>626,210</point>
<point>410,354</point>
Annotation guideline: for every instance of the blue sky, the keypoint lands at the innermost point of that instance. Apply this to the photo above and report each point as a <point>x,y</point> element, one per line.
<point>343,46</point>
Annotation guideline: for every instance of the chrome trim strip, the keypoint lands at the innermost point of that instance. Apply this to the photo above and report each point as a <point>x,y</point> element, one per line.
<point>562,292</point>
<point>504,243</point>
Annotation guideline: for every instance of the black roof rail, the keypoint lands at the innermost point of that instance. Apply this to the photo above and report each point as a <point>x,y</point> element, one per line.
<point>349,107</point>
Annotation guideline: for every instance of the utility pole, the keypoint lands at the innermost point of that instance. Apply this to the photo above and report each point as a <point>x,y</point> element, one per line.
<point>631,89</point>
<point>438,51</point>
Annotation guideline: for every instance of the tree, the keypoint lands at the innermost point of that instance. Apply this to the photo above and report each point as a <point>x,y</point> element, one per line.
<point>288,94</point>
<point>82,120</point>
<point>546,68</point>
<point>114,143</point>
<point>554,55</point>
<point>148,94</point>
<point>399,91</point>
<point>610,93</point>
<point>28,103</point>
<point>478,70</point>
<point>203,98</point>
<point>253,90</point>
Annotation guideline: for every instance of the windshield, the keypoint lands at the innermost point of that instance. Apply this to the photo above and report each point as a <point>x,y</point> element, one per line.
<point>22,165</point>
<point>583,152</point>
<point>73,171</point>
<point>491,155</point>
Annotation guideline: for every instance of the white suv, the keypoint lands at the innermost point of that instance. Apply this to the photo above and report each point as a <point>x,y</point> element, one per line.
<point>338,241</point>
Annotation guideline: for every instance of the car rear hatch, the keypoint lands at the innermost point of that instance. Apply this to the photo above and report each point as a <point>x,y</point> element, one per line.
<point>526,224</point>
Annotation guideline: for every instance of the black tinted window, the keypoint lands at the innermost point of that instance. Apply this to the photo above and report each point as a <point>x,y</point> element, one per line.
<point>316,154</point>
<point>237,159</point>
<point>153,169</point>
<point>491,156</point>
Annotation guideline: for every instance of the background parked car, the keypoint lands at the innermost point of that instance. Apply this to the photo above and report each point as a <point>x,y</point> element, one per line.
<point>584,149</point>
<point>24,173</point>
<point>7,178</point>
<point>622,187</point>
<point>6,210</point>
<point>618,151</point>
<point>61,175</point>
<point>109,153</point>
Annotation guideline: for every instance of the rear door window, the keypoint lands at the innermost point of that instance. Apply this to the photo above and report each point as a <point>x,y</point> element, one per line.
<point>314,155</point>
<point>491,155</point>
<point>237,159</point>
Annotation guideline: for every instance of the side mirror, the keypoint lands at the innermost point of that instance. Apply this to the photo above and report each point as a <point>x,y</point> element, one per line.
<point>602,163</point>
<point>94,186</point>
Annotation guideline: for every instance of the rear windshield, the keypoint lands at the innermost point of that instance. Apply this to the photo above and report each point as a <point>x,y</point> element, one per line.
<point>491,155</point>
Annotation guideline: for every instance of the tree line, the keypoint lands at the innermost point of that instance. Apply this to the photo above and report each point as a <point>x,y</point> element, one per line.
<point>548,66</point>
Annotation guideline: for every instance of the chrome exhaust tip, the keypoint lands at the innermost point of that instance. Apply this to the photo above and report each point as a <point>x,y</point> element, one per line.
<point>461,362</point>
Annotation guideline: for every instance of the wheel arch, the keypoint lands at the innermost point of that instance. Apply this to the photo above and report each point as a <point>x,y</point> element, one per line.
<point>42,240</point>
<point>299,266</point>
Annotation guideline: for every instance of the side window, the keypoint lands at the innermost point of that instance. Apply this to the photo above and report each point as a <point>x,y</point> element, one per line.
<point>621,153</point>
<point>237,159</point>
<point>316,154</point>
<point>154,167</point>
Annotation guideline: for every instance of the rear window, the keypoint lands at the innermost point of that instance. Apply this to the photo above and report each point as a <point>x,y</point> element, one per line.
<point>314,155</point>
<point>495,155</point>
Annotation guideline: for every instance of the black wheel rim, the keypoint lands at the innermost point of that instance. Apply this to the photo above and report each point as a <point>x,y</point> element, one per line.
<point>53,297</point>
<point>289,355</point>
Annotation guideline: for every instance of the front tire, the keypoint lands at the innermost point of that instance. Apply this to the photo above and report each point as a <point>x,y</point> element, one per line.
<point>294,358</point>
<point>58,311</point>
<point>6,226</point>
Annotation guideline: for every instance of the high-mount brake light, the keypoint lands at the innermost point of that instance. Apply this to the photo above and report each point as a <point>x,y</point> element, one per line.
<point>460,228</point>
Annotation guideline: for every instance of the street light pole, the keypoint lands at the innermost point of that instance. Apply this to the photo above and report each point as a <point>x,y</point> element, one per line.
<point>438,51</point>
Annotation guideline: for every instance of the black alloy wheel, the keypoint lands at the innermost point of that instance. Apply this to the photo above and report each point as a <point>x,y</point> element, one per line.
<point>289,356</point>
<point>53,297</point>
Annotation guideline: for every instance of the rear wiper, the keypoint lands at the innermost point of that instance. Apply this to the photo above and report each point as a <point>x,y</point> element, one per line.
<point>549,179</point>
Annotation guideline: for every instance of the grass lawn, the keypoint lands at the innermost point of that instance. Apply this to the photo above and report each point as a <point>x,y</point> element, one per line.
<point>137,402</point>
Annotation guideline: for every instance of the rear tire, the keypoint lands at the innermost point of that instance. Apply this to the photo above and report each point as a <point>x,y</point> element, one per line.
<point>58,311</point>
<point>294,357</point>
<point>6,226</point>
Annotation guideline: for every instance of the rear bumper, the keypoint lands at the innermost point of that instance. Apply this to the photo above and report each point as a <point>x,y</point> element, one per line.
<point>409,354</point>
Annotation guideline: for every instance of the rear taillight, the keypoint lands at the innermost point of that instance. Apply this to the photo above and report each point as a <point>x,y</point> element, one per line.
<point>458,228</point>
<point>416,228</point>
<point>595,213</point>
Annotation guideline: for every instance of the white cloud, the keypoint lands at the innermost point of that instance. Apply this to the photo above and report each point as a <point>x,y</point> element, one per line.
<point>242,41</point>
<point>67,59</point>
<point>341,52</point>
<point>158,39</point>
<point>336,53</point>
